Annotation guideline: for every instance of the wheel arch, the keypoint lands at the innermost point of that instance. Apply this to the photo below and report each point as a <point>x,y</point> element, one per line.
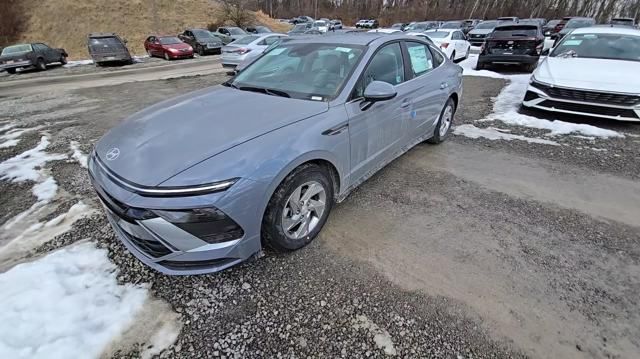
<point>321,158</point>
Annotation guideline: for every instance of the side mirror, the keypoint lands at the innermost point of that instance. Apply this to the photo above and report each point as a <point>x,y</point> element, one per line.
<point>378,91</point>
<point>125,41</point>
<point>545,52</point>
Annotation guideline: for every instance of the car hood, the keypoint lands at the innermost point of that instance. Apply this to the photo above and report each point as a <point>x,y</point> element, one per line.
<point>170,137</point>
<point>480,31</point>
<point>590,74</point>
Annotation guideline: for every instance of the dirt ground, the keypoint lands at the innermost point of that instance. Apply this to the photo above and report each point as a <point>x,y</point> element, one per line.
<point>473,248</point>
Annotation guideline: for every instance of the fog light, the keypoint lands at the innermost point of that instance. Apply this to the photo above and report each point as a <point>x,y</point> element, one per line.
<point>209,224</point>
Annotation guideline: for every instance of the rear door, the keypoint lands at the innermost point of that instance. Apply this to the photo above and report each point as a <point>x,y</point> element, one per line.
<point>376,133</point>
<point>428,87</point>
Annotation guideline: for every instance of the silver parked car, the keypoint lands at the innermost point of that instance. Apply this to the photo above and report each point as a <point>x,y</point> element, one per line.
<point>200,182</point>
<point>246,48</point>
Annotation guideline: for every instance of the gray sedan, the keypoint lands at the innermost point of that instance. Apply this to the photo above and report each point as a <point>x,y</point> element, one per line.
<point>248,47</point>
<point>199,183</point>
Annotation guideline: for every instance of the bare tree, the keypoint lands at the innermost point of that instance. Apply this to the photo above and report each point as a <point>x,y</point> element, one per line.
<point>237,12</point>
<point>11,21</point>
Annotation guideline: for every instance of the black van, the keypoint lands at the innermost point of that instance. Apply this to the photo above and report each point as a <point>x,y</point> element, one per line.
<point>108,48</point>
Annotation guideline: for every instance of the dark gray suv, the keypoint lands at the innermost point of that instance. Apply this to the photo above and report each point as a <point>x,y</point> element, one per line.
<point>108,48</point>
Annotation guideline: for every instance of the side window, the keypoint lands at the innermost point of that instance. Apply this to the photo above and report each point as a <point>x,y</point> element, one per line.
<point>269,40</point>
<point>386,65</point>
<point>438,59</point>
<point>420,57</point>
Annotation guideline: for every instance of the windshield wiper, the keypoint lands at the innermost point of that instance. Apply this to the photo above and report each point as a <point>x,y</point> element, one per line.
<point>230,84</point>
<point>568,53</point>
<point>264,90</point>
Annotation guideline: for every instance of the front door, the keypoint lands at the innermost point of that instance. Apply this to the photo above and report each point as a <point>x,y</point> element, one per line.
<point>376,132</point>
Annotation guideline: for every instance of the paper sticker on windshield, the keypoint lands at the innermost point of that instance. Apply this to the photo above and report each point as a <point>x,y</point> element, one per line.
<point>277,51</point>
<point>344,49</point>
<point>572,42</point>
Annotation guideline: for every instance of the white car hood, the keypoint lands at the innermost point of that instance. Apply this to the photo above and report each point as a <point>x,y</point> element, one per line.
<point>590,74</point>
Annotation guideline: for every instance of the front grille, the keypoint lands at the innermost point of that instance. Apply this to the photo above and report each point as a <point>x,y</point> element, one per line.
<point>150,247</point>
<point>184,265</point>
<point>596,110</point>
<point>589,96</point>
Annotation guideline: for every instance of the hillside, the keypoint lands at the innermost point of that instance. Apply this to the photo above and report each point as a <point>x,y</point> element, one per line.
<point>66,23</point>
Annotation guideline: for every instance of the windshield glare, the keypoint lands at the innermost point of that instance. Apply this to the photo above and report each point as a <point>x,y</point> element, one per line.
<point>487,25</point>
<point>572,24</point>
<point>202,34</point>
<point>169,40</point>
<point>601,46</point>
<point>303,70</point>
<point>246,40</point>
<point>438,34</point>
<point>451,25</point>
<point>16,49</point>
<point>236,31</point>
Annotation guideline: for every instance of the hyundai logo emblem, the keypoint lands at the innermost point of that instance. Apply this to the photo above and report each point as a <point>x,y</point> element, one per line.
<point>113,153</point>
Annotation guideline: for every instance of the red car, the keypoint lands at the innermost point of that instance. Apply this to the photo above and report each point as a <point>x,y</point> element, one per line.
<point>169,47</point>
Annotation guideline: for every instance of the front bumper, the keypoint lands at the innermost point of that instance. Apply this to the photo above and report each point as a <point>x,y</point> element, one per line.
<point>164,246</point>
<point>508,59</point>
<point>536,98</point>
<point>180,55</point>
<point>16,65</point>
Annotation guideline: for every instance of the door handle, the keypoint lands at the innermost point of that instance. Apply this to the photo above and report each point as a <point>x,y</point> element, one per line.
<point>405,104</point>
<point>444,85</point>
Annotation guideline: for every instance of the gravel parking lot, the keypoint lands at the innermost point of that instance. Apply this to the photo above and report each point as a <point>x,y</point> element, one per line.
<point>518,237</point>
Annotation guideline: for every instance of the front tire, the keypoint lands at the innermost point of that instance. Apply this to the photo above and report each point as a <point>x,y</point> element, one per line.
<point>298,209</point>
<point>441,132</point>
<point>41,65</point>
<point>12,71</point>
<point>201,51</point>
<point>63,60</point>
<point>166,57</point>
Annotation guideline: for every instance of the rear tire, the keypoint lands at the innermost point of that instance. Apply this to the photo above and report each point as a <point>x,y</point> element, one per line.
<point>41,65</point>
<point>468,52</point>
<point>201,51</point>
<point>63,60</point>
<point>12,71</point>
<point>284,208</point>
<point>453,56</point>
<point>443,128</point>
<point>480,66</point>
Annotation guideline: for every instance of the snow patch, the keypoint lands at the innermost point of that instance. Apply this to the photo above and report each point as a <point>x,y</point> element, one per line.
<point>78,155</point>
<point>12,138</point>
<point>507,104</point>
<point>492,133</point>
<point>26,166</point>
<point>45,190</point>
<point>469,69</point>
<point>24,232</point>
<point>67,304</point>
<point>78,63</point>
<point>380,336</point>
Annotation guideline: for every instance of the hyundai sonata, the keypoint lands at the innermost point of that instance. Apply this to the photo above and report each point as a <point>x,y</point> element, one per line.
<point>591,73</point>
<point>200,182</point>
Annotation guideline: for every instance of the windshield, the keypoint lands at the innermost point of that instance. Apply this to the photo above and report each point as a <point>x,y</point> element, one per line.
<point>170,40</point>
<point>246,40</point>
<point>236,31</point>
<point>16,49</point>
<point>202,34</point>
<point>452,25</point>
<point>600,46</point>
<point>307,71</point>
<point>515,31</point>
<point>397,26</point>
<point>438,34</point>
<point>629,22</point>
<point>105,42</point>
<point>422,26</point>
<point>319,24</point>
<point>576,23</point>
<point>299,28</point>
<point>487,25</point>
<point>262,29</point>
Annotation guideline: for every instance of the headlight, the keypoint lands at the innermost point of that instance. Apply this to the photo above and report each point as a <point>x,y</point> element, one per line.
<point>186,191</point>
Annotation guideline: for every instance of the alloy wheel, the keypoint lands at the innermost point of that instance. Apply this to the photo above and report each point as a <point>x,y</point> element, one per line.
<point>303,210</point>
<point>445,121</point>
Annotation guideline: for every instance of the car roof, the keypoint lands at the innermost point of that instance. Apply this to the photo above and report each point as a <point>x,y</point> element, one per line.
<point>102,34</point>
<point>443,30</point>
<point>359,38</point>
<point>607,30</point>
